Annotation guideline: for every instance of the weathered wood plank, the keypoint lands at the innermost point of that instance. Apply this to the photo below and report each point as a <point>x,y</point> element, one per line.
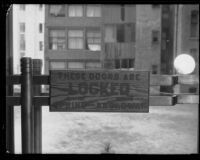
<point>162,80</point>
<point>99,91</point>
<point>188,99</point>
<point>38,100</point>
<point>162,100</point>
<point>15,79</point>
<point>188,79</point>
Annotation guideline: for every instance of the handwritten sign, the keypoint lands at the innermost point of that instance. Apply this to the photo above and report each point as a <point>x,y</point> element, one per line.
<point>99,91</point>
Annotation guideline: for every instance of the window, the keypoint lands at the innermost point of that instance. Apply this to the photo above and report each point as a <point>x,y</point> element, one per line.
<point>117,64</point>
<point>57,10</point>
<point>40,28</point>
<point>155,6</point>
<point>22,54</point>
<point>22,7</point>
<point>22,42</point>
<point>155,36</point>
<point>194,16</point>
<point>194,23</point>
<point>126,32</point>
<point>110,34</point>
<point>93,65</point>
<point>75,39</point>
<point>40,7</point>
<point>40,45</point>
<point>57,65</point>
<point>57,40</point>
<point>93,11</point>
<point>124,63</point>
<point>75,11</point>
<point>154,69</point>
<point>93,41</point>
<point>22,27</point>
<point>122,12</point>
<point>76,65</point>
<point>120,33</point>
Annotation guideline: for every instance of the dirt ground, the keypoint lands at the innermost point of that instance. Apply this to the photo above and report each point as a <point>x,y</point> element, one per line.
<point>164,130</point>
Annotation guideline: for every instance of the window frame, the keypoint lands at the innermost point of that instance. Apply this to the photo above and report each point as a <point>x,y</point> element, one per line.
<point>80,62</point>
<point>68,10</point>
<point>93,5</point>
<point>59,14</point>
<point>54,61</point>
<point>63,38</point>
<point>194,24</point>
<point>81,37</point>
<point>94,30</point>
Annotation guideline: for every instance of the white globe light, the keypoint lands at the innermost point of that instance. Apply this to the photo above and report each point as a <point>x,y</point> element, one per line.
<point>184,64</point>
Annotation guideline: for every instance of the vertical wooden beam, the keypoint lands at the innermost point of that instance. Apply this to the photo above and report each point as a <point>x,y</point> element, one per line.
<point>26,104</point>
<point>37,69</point>
<point>9,88</point>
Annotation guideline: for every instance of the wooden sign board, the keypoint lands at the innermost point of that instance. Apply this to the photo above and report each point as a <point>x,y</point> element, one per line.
<point>99,91</point>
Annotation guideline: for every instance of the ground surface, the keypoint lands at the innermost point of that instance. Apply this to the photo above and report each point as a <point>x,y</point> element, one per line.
<point>164,130</point>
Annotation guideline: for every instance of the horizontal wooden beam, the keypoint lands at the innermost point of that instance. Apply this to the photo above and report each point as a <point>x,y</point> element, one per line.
<point>15,79</point>
<point>188,99</point>
<point>188,79</point>
<point>163,80</point>
<point>44,100</point>
<point>37,100</point>
<point>155,80</point>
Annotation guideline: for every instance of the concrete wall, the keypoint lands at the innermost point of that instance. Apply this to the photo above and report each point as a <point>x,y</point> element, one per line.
<point>186,42</point>
<point>147,54</point>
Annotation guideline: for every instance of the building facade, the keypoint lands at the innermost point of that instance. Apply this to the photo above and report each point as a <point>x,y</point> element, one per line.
<point>139,37</point>
<point>188,32</point>
<point>28,33</point>
<point>186,39</point>
<point>90,36</point>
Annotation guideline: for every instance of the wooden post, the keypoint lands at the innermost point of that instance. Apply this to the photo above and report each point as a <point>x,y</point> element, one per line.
<point>37,69</point>
<point>10,141</point>
<point>26,104</point>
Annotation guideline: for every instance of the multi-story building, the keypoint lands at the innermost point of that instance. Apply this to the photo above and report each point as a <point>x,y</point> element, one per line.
<point>90,36</point>
<point>28,33</point>
<point>186,39</point>
<point>110,36</point>
<point>187,28</point>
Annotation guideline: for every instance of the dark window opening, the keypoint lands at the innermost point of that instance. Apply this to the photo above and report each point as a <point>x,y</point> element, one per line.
<point>117,63</point>
<point>120,33</point>
<point>155,5</point>
<point>40,45</point>
<point>154,69</point>
<point>194,17</point>
<point>124,63</point>
<point>131,63</point>
<point>40,28</point>
<point>155,36</point>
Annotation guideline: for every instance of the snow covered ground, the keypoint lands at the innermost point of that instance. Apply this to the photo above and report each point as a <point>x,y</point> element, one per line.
<point>164,130</point>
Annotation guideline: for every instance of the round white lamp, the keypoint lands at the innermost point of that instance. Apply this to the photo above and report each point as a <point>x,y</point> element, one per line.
<point>184,64</point>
